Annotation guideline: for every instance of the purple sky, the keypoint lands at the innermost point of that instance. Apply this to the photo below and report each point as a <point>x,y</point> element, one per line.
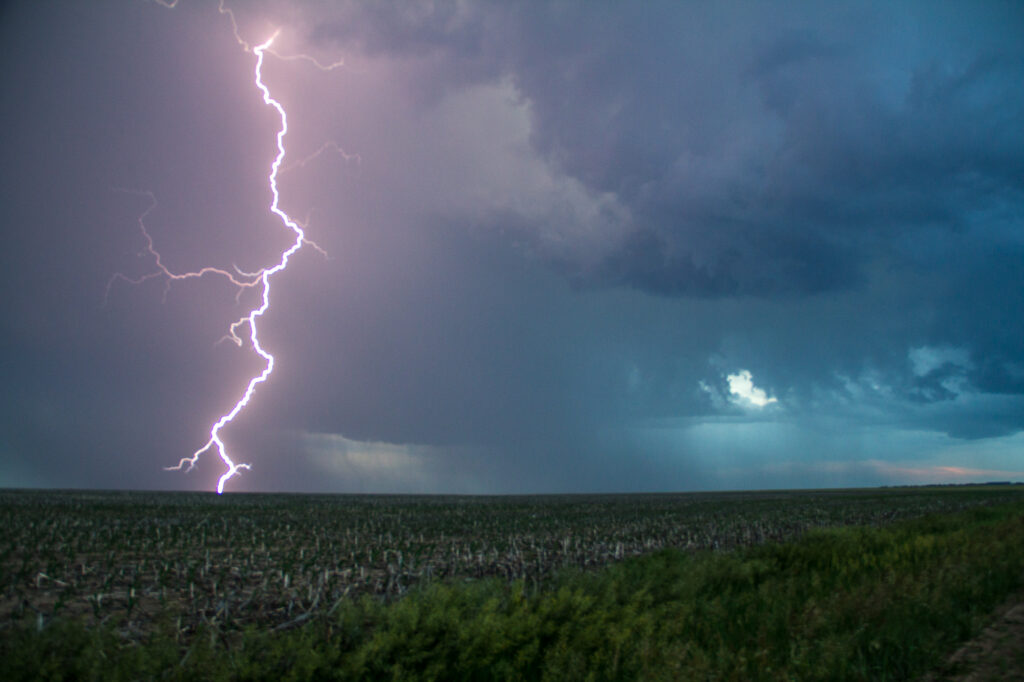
<point>571,246</point>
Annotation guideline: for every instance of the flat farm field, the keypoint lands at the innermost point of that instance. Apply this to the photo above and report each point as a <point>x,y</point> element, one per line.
<point>194,574</point>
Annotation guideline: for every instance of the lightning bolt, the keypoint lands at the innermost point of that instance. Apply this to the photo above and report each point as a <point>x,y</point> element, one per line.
<point>242,280</point>
<point>263,277</point>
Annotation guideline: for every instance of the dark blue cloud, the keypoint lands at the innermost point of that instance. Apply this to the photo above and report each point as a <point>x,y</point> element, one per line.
<point>757,152</point>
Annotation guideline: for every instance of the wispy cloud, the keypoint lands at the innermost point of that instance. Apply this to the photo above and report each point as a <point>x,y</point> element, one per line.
<point>942,473</point>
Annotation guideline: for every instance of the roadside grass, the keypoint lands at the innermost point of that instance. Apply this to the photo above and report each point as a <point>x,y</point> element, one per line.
<point>855,603</point>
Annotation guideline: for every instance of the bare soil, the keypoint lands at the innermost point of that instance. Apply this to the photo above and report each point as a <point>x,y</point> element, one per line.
<point>995,654</point>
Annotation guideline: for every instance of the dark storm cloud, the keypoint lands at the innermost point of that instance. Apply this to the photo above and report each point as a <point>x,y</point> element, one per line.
<point>745,263</point>
<point>566,227</point>
<point>759,151</point>
<point>773,152</point>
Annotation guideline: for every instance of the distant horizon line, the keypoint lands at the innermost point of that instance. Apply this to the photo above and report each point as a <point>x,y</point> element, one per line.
<point>169,491</point>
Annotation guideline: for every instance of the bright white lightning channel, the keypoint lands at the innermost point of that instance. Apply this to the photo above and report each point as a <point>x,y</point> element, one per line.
<point>264,276</point>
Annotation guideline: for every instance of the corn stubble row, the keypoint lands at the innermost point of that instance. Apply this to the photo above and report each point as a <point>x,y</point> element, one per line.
<point>138,560</point>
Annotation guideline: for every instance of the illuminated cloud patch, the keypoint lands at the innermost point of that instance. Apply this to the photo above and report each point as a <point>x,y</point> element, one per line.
<point>743,392</point>
<point>378,467</point>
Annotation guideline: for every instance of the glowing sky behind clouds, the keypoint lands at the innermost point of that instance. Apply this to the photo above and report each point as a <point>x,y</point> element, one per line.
<point>573,247</point>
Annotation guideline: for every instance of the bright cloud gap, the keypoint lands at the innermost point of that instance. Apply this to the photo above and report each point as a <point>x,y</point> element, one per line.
<point>745,393</point>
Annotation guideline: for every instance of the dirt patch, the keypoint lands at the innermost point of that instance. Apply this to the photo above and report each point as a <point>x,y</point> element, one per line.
<point>996,654</point>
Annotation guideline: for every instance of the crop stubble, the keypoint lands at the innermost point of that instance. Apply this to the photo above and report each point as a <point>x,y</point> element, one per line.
<point>275,561</point>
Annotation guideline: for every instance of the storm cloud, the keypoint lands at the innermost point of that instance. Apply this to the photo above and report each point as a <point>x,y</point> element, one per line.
<point>571,247</point>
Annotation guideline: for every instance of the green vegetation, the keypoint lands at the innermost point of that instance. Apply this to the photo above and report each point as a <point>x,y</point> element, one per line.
<point>878,600</point>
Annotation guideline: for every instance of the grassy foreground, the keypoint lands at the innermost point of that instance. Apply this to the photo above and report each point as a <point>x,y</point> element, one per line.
<point>850,603</point>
